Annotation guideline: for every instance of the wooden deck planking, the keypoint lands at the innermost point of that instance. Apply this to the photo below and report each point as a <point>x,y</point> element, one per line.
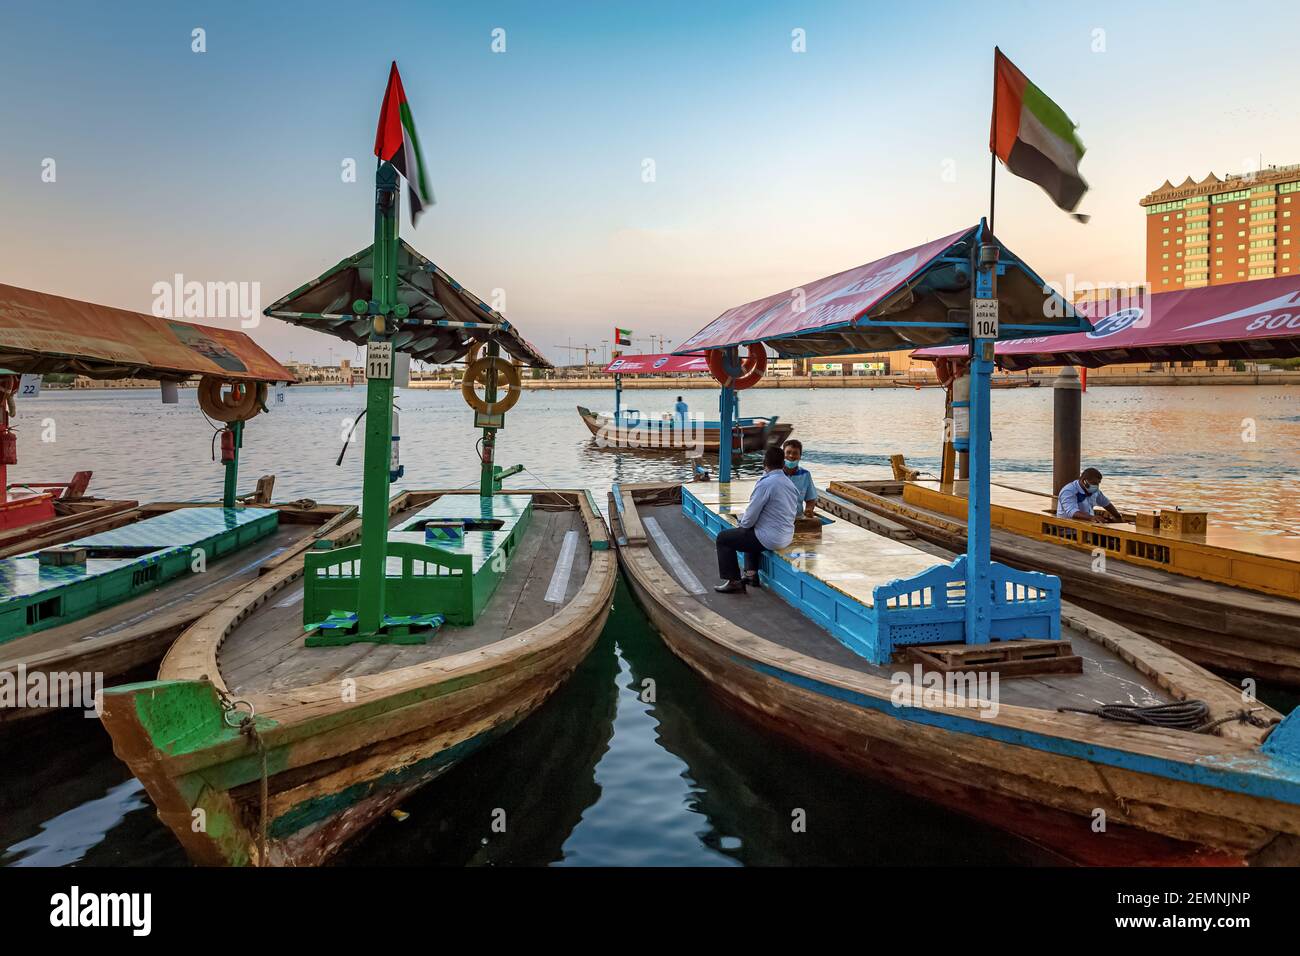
<point>1106,678</point>
<point>266,653</point>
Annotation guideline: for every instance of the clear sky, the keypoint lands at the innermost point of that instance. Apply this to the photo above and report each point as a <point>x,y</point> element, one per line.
<point>771,167</point>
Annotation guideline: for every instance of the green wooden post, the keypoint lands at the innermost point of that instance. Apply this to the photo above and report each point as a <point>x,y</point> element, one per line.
<point>379,407</point>
<point>487,479</point>
<point>232,467</point>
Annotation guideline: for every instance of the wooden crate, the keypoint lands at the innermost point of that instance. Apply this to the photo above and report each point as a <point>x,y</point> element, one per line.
<point>1008,658</point>
<point>1184,521</point>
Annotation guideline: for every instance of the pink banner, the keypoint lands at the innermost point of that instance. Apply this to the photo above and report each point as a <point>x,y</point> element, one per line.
<point>1262,316</point>
<point>656,364</point>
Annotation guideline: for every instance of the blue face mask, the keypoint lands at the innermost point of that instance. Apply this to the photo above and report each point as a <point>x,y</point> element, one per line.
<point>791,465</point>
<point>1088,488</point>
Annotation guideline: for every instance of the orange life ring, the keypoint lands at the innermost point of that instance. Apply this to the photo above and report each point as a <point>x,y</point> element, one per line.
<point>476,372</point>
<point>948,370</point>
<point>752,368</point>
<point>239,404</point>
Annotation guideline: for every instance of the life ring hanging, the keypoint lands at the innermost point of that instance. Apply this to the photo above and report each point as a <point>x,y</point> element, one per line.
<point>476,372</point>
<point>751,369</point>
<point>949,370</point>
<point>238,403</point>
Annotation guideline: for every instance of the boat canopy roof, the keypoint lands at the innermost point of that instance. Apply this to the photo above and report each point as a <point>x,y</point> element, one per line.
<point>658,364</point>
<point>1243,320</point>
<point>43,333</point>
<point>915,298</point>
<point>445,320</point>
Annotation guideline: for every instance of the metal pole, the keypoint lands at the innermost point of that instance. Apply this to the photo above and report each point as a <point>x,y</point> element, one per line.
<point>232,467</point>
<point>726,418</point>
<point>1067,428</point>
<point>379,408</point>
<point>979,587</point>
<point>487,478</point>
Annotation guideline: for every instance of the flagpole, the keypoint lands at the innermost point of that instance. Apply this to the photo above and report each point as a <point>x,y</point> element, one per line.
<point>993,154</point>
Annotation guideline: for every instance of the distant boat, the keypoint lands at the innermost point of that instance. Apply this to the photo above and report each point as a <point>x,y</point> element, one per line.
<point>632,431</point>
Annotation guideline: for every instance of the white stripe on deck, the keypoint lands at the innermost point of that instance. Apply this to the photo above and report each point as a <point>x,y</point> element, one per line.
<point>563,568</point>
<point>680,569</point>
<point>293,598</point>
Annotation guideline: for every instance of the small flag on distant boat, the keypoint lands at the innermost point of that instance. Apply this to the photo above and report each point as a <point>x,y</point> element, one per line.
<point>396,143</point>
<point>1034,138</point>
<point>622,336</point>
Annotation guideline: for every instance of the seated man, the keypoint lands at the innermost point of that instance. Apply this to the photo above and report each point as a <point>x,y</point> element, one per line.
<point>766,525</point>
<point>802,477</point>
<point>1080,497</point>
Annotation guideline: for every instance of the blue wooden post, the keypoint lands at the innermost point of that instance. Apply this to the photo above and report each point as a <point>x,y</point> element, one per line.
<point>726,422</point>
<point>979,592</point>
<point>618,396</point>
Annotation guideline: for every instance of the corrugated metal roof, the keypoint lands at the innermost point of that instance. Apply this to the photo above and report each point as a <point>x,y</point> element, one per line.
<point>445,319</point>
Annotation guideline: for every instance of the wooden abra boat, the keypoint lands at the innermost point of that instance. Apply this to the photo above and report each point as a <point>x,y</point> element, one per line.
<point>964,681</point>
<point>284,723</point>
<point>338,735</point>
<point>784,656</point>
<point>631,431</point>
<point>1226,600</point>
<point>96,590</point>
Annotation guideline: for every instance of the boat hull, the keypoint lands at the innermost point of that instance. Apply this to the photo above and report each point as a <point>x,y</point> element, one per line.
<point>314,767</point>
<point>1049,798</point>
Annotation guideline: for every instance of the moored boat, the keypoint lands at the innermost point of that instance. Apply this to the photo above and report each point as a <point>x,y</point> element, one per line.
<point>1088,789</point>
<point>98,590</point>
<point>966,681</point>
<point>630,429</point>
<point>287,721</point>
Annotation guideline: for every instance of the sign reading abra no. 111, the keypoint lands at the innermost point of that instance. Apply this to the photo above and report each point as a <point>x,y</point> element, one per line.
<point>379,360</point>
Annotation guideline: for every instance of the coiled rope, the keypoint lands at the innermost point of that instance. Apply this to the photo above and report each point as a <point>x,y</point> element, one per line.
<point>1192,715</point>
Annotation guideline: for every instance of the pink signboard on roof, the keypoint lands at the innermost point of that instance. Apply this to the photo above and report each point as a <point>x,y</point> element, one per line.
<point>826,303</point>
<point>1259,318</point>
<point>656,364</point>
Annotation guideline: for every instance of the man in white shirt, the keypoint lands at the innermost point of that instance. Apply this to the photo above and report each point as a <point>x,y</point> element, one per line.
<point>766,525</point>
<point>1080,498</point>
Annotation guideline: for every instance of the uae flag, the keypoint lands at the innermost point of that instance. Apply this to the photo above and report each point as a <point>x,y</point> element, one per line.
<point>396,143</point>
<point>1033,137</point>
<point>622,336</point>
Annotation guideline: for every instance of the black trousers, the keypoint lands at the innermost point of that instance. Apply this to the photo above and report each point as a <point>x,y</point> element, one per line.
<point>737,539</point>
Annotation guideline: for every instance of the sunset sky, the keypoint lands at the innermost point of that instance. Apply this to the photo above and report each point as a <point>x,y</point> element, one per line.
<point>772,167</point>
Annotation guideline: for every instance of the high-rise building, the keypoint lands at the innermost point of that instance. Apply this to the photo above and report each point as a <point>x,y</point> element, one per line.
<point>1218,231</point>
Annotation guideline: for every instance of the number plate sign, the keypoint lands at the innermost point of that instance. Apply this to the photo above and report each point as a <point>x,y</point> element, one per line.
<point>984,318</point>
<point>29,386</point>
<point>379,360</point>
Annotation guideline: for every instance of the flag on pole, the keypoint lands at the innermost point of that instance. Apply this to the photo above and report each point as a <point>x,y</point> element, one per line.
<point>622,336</point>
<point>396,143</point>
<point>1033,137</point>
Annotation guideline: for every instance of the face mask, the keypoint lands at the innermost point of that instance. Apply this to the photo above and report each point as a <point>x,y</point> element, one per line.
<point>791,465</point>
<point>1089,488</point>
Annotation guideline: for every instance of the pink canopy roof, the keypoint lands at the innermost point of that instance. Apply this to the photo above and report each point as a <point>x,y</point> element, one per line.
<point>659,364</point>
<point>1248,320</point>
<point>912,299</point>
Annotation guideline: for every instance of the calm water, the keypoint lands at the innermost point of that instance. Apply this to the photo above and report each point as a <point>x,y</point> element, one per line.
<point>601,775</point>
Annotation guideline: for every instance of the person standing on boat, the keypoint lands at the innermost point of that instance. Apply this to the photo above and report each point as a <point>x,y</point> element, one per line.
<point>802,477</point>
<point>681,409</point>
<point>1080,498</point>
<point>766,525</point>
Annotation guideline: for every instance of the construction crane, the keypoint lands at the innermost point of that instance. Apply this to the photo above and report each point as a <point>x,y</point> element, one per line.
<point>586,350</point>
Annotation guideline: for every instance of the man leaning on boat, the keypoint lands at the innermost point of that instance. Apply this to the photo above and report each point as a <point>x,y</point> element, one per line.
<point>766,525</point>
<point>1080,498</point>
